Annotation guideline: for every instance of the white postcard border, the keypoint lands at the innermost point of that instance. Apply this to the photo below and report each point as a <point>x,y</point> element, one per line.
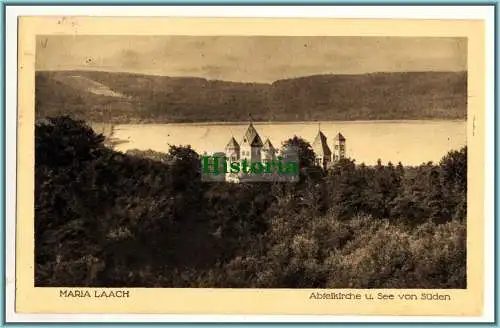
<point>485,13</point>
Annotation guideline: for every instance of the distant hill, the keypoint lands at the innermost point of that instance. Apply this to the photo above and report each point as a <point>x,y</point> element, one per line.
<point>134,98</point>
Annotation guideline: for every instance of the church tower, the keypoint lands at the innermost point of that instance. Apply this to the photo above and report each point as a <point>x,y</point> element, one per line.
<point>251,145</point>
<point>268,153</point>
<point>233,150</point>
<point>233,155</point>
<point>321,150</point>
<point>339,147</point>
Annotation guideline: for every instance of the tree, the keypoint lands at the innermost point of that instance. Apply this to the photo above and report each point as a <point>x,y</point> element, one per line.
<point>185,165</point>
<point>454,167</point>
<point>454,174</point>
<point>346,185</point>
<point>436,202</point>
<point>304,149</point>
<point>69,199</point>
<point>59,140</point>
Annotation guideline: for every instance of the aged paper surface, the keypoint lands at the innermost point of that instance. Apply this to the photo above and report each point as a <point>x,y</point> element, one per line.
<point>69,298</point>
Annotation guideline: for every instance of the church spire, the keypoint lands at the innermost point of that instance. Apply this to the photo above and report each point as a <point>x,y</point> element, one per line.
<point>320,145</point>
<point>252,137</point>
<point>233,144</point>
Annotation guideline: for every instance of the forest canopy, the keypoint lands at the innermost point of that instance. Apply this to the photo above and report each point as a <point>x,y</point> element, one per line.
<point>145,219</point>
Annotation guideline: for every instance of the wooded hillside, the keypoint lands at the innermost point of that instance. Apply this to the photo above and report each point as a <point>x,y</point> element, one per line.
<point>131,98</point>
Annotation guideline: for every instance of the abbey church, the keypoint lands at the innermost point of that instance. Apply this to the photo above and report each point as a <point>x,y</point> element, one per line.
<point>253,150</point>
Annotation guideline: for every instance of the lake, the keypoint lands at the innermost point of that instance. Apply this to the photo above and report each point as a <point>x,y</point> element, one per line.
<point>411,142</point>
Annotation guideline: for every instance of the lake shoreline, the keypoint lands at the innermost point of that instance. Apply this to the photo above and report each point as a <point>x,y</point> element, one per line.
<point>411,142</point>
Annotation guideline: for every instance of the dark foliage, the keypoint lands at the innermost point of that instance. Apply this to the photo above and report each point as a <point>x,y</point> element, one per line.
<point>104,218</point>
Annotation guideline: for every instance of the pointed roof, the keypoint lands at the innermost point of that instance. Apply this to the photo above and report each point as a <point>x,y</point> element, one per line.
<point>340,137</point>
<point>320,145</point>
<point>232,144</point>
<point>252,137</point>
<point>268,144</point>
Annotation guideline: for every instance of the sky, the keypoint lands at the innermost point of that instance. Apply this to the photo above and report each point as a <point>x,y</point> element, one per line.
<point>250,58</point>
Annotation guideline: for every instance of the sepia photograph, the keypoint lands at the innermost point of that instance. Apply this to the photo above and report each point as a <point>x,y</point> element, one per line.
<point>245,166</point>
<point>127,126</point>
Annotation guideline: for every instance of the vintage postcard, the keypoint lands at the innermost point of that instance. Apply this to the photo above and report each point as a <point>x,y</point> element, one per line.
<point>270,166</point>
